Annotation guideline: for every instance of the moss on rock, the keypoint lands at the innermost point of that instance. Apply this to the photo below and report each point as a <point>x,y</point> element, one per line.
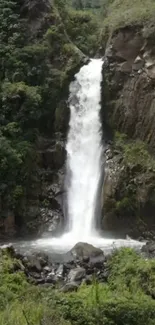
<point>129,188</point>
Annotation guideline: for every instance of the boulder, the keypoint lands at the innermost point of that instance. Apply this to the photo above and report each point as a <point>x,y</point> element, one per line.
<point>51,277</point>
<point>47,269</point>
<point>32,263</point>
<point>149,249</point>
<point>76,274</point>
<point>97,261</point>
<point>60,272</point>
<point>69,287</point>
<point>89,279</point>
<point>84,250</point>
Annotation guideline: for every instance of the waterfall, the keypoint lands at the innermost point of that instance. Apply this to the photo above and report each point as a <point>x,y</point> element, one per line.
<point>84,166</point>
<point>84,150</point>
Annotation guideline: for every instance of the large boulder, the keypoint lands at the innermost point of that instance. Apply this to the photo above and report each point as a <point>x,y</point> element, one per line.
<point>84,250</point>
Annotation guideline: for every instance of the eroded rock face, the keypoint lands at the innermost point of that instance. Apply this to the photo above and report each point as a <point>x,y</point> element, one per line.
<point>129,75</point>
<point>129,108</point>
<point>44,214</point>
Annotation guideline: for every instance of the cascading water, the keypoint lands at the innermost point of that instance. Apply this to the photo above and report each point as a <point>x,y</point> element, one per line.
<point>84,149</point>
<point>84,158</point>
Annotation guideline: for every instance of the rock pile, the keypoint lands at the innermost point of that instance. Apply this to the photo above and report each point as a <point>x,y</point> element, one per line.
<point>84,264</point>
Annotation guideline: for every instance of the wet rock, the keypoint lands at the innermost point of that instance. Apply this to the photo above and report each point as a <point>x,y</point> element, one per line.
<point>54,157</point>
<point>62,114</point>
<point>86,259</point>
<point>34,275</point>
<point>76,274</point>
<point>47,269</point>
<point>97,261</point>
<point>43,259</point>
<point>39,281</point>
<point>8,249</point>
<point>18,266</point>
<point>69,287</point>
<point>84,250</point>
<point>149,249</point>
<point>60,272</point>
<point>89,279</point>
<point>138,63</point>
<point>51,221</point>
<point>33,264</point>
<point>151,72</point>
<point>126,67</point>
<point>51,277</point>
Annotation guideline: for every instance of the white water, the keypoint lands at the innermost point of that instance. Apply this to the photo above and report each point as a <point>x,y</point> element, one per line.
<point>84,167</point>
<point>84,150</point>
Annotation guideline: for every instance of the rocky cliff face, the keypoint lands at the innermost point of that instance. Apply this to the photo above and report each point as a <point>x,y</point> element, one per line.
<point>128,94</point>
<point>130,77</point>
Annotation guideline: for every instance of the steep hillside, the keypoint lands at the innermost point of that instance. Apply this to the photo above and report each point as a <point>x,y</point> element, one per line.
<point>42,46</point>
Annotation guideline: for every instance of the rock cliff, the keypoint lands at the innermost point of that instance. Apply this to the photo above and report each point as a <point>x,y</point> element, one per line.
<point>129,109</point>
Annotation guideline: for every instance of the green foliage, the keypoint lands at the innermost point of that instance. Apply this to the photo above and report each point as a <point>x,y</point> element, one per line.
<point>20,103</point>
<point>126,299</point>
<point>134,152</point>
<point>126,205</point>
<point>136,177</point>
<point>86,4</point>
<point>83,29</point>
<point>20,302</point>
<point>35,71</point>
<point>10,34</point>
<point>15,161</point>
<point>123,13</point>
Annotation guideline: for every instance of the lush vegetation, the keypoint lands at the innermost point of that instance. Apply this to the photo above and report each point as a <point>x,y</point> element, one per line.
<point>134,185</point>
<point>35,71</point>
<point>37,63</point>
<point>36,66</point>
<point>121,13</point>
<point>134,152</point>
<point>126,299</point>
